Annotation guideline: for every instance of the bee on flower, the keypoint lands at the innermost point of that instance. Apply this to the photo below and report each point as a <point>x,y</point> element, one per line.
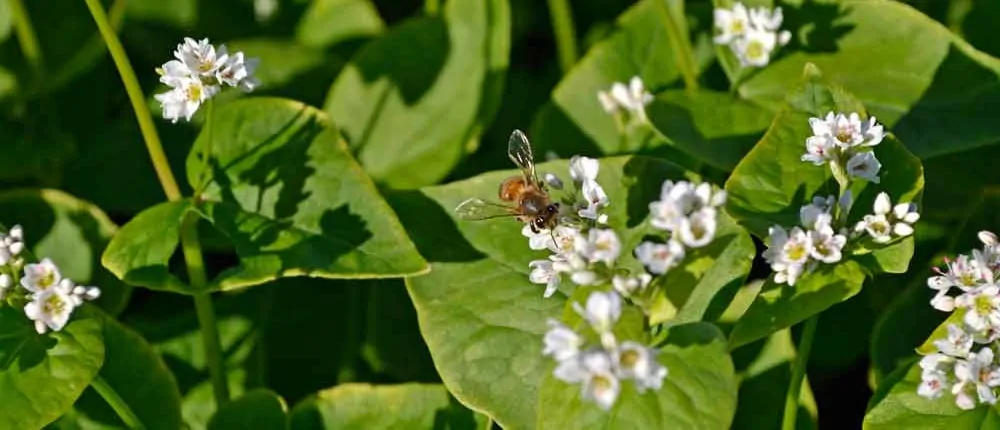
<point>197,73</point>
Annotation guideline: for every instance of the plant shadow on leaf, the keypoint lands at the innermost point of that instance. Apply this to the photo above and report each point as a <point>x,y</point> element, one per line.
<point>814,26</point>
<point>431,228</point>
<point>931,119</point>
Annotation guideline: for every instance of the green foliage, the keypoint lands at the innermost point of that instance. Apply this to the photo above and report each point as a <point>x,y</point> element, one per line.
<point>387,406</point>
<point>260,408</point>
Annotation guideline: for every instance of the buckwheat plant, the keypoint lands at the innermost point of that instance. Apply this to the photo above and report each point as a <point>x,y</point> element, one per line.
<point>587,253</point>
<point>752,34</point>
<point>630,100</point>
<point>964,362</point>
<point>845,143</point>
<point>198,73</point>
<point>47,297</point>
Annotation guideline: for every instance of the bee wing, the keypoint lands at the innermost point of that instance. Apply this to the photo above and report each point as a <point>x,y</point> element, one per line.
<point>519,151</point>
<point>479,209</point>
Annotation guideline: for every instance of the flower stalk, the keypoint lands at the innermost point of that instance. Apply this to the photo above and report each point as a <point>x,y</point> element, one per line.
<point>26,37</point>
<point>799,373</point>
<point>562,25</point>
<point>116,402</point>
<point>680,44</point>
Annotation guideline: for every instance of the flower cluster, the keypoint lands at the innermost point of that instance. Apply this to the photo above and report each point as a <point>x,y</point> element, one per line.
<point>198,73</point>
<point>752,34</point>
<point>631,99</point>
<point>688,212</point>
<point>601,364</point>
<point>845,142</point>
<point>964,362</point>
<point>823,233</point>
<point>48,298</point>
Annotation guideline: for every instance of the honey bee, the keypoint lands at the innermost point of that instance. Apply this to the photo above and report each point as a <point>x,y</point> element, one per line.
<point>528,197</point>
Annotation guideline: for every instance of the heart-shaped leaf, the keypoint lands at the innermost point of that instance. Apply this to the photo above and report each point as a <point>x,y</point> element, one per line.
<point>382,406</point>
<point>42,375</point>
<point>326,23</point>
<point>481,317</point>
<point>914,74</point>
<point>698,392</point>
<point>154,397</point>
<point>71,232</point>
<point>259,408</point>
<point>418,91</point>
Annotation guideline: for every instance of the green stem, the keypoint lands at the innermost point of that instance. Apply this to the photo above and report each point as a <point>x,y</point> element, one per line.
<point>431,7</point>
<point>680,44</point>
<point>203,306</point>
<point>206,154</point>
<point>799,373</point>
<point>116,402</point>
<point>26,35</point>
<point>189,229</point>
<point>562,25</point>
<point>142,115</point>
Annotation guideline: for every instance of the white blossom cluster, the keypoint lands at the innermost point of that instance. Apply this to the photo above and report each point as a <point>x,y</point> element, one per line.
<point>582,253</point>
<point>752,34</point>
<point>823,234</point>
<point>600,366</point>
<point>845,142</point>
<point>198,73</point>
<point>964,362</point>
<point>631,99</point>
<point>49,299</point>
<point>688,212</point>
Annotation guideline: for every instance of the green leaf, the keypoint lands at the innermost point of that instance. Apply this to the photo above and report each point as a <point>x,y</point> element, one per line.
<point>483,320</point>
<point>714,127</point>
<point>779,306</point>
<point>392,335</point>
<point>259,408</point>
<point>641,48</point>
<point>417,92</point>
<point>765,371</point>
<point>698,392</point>
<point>914,74</point>
<point>403,406</point>
<point>140,253</point>
<point>902,408</point>
<point>327,23</point>
<point>134,370</point>
<point>293,70</point>
<point>72,233</point>
<point>42,375</point>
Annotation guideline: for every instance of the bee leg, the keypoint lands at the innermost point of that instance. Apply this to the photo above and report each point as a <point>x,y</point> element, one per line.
<point>534,228</point>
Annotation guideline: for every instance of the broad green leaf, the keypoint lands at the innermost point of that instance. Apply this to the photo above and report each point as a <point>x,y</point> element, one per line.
<point>698,392</point>
<point>42,375</point>
<point>765,371</point>
<point>417,92</point>
<point>714,127</point>
<point>641,48</point>
<point>483,320</point>
<point>140,253</point>
<point>912,73</point>
<point>71,232</point>
<point>179,13</point>
<point>771,183</point>
<point>902,408</point>
<point>134,370</point>
<point>290,69</point>
<point>402,406</point>
<point>259,408</point>
<point>327,23</point>
<point>781,306</point>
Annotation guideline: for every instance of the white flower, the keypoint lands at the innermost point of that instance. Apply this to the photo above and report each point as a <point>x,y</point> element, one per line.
<point>659,258</point>
<point>809,214</point>
<point>608,103</point>
<point>848,131</point>
<point>957,344</point>
<point>543,272</point>
<point>983,307</point>
<point>601,245</point>
<point>698,229</point>
<point>765,19</point>
<point>629,285</point>
<point>596,199</point>
<point>864,165</point>
<point>632,98</point>
<point>976,373</point>
<point>755,48</point>
<point>11,245</point>
<point>826,245</point>
<point>594,368</point>
<point>50,309</point>
<point>733,23</point>
<point>558,240</point>
<point>637,362</point>
<point>574,264</point>
<point>41,276</point>
<point>583,169</point>
<point>680,200</point>
<point>933,384</point>
<point>561,342</point>
<point>820,149</point>
<point>185,98</point>
<point>889,220</point>
<point>905,214</point>
<point>787,253</point>
<point>988,238</point>
<point>237,72</point>
<point>602,312</point>
<point>200,57</point>
<point>6,281</point>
